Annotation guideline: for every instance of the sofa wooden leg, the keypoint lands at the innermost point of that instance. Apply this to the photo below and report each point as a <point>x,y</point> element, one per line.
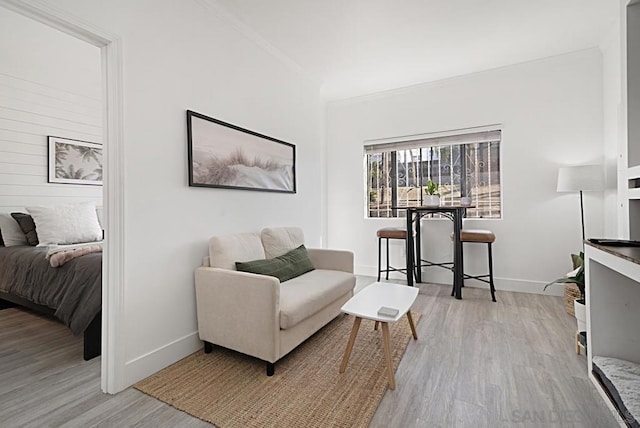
<point>271,368</point>
<point>208,347</point>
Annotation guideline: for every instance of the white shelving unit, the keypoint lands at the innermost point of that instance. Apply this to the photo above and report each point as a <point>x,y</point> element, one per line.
<point>613,307</point>
<point>630,187</point>
<point>613,273</point>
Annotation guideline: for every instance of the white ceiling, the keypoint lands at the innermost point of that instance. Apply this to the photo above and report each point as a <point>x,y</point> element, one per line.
<point>356,47</point>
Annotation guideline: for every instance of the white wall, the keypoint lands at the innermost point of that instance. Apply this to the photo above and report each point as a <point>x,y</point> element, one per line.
<point>615,166</point>
<point>49,85</point>
<point>551,115</point>
<point>179,56</point>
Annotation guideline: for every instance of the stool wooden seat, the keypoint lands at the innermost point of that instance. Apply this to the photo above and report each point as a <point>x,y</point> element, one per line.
<point>477,235</point>
<point>392,233</point>
<point>389,233</point>
<point>480,236</point>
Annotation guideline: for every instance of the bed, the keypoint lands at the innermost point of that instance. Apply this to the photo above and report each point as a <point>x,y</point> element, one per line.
<point>46,265</point>
<point>72,293</point>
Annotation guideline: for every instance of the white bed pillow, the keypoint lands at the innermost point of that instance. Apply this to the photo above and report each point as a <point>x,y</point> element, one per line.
<point>11,232</point>
<point>100,214</point>
<point>66,224</point>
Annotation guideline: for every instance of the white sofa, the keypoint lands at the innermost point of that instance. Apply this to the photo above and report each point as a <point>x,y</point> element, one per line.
<point>256,314</point>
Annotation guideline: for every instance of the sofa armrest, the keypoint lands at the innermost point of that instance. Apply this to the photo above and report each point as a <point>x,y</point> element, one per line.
<point>239,311</point>
<point>331,259</point>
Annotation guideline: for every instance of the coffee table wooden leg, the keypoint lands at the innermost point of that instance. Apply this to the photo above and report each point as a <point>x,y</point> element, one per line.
<point>352,339</point>
<point>375,327</point>
<point>412,325</point>
<point>387,353</point>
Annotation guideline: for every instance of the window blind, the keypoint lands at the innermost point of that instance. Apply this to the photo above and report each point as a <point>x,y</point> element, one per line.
<point>406,143</point>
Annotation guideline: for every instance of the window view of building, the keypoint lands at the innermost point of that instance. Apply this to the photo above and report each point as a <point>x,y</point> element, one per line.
<point>461,165</point>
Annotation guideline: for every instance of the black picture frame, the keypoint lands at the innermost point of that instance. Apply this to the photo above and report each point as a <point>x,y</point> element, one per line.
<point>223,155</point>
<point>74,161</point>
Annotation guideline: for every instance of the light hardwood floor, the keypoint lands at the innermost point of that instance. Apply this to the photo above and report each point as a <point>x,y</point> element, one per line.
<point>475,364</point>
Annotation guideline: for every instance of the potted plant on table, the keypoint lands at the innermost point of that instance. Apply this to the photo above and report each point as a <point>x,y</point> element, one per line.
<point>576,276</point>
<point>432,197</point>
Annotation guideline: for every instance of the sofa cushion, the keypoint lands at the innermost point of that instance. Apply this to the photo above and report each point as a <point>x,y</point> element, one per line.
<point>305,295</point>
<point>285,267</point>
<point>279,240</point>
<point>225,251</point>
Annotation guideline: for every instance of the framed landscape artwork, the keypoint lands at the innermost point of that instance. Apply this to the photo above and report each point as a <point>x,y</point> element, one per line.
<point>227,156</point>
<point>74,161</point>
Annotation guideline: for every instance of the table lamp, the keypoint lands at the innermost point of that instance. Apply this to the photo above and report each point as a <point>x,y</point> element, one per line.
<point>578,179</point>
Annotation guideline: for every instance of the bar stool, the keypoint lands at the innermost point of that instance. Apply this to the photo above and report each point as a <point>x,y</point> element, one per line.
<point>389,233</point>
<point>481,237</point>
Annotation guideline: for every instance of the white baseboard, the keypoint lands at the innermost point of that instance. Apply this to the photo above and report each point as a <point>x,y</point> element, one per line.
<point>145,365</point>
<point>522,286</point>
<point>442,276</point>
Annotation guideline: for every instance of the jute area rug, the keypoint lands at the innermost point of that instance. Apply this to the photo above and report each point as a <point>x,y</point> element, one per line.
<point>230,389</point>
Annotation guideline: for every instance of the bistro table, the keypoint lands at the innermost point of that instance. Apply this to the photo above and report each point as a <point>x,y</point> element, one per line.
<point>455,213</point>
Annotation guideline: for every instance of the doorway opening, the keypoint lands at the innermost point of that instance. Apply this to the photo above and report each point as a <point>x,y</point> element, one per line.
<point>112,356</point>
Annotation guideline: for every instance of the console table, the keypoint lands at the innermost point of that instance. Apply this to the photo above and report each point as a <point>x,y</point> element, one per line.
<point>613,308</point>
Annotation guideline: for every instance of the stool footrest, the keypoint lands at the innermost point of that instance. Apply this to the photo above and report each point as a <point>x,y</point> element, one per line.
<point>392,269</point>
<point>479,278</point>
<point>427,263</point>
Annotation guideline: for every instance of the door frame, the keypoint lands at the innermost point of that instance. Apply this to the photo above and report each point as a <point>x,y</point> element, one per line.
<point>113,355</point>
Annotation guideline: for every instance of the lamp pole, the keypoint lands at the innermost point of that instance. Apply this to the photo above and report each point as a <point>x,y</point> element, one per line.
<point>582,217</point>
<point>578,179</point>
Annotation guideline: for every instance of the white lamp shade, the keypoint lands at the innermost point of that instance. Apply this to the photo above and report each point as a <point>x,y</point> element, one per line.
<point>582,177</point>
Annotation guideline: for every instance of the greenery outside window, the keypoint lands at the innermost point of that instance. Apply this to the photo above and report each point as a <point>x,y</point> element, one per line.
<point>464,164</point>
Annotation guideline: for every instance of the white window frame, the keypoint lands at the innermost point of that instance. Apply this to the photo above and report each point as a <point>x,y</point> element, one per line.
<point>450,137</point>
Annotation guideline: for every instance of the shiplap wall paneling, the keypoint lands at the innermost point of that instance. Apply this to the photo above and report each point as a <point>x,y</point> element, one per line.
<point>49,85</point>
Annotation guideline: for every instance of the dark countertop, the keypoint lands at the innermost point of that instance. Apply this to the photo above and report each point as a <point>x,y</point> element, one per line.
<point>628,253</point>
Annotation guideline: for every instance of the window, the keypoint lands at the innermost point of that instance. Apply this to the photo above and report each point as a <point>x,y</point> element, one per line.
<point>465,164</point>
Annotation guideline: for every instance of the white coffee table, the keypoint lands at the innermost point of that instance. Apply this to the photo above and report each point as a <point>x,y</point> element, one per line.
<point>366,303</point>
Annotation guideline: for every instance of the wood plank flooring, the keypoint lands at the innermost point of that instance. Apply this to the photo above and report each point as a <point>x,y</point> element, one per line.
<point>475,364</point>
<point>482,364</point>
<point>44,382</point>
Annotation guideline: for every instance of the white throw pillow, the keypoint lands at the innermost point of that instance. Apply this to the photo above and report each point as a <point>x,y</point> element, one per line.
<point>66,224</point>
<point>280,240</point>
<point>225,251</point>
<point>11,232</point>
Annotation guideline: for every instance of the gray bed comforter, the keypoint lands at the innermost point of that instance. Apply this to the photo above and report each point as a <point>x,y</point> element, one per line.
<point>73,290</point>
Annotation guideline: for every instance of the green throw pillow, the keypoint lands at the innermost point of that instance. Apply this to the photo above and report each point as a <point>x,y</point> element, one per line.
<point>284,267</point>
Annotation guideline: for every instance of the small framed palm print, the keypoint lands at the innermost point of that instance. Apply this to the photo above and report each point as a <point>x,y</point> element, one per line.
<point>74,161</point>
